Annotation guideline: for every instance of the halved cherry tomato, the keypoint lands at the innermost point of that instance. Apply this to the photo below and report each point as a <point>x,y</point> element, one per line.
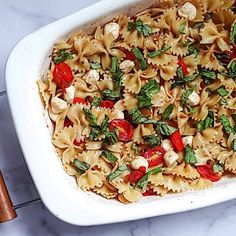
<point>106,104</point>
<point>79,101</point>
<point>183,65</point>
<point>207,172</point>
<point>149,192</point>
<point>154,156</point>
<point>68,122</point>
<point>134,176</point>
<point>142,169</point>
<point>78,143</point>
<point>129,55</point>
<point>62,75</point>
<point>176,140</point>
<point>125,129</point>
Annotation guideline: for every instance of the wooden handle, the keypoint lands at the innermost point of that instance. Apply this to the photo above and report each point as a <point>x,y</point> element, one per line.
<point>7,211</point>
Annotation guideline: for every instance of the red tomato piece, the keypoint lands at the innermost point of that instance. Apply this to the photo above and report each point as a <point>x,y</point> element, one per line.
<point>79,101</point>
<point>134,176</point>
<point>149,192</point>
<point>176,140</point>
<point>107,104</point>
<point>78,143</point>
<point>207,172</point>
<point>129,55</point>
<point>125,129</point>
<point>68,122</point>
<point>154,156</point>
<point>184,66</point>
<point>142,169</point>
<point>62,75</point>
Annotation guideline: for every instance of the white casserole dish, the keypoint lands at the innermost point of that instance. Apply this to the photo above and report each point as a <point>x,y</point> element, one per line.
<point>59,191</point>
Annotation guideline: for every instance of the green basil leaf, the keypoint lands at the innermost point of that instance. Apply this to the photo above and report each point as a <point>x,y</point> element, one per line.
<point>81,166</point>
<point>144,101</point>
<point>183,81</point>
<point>217,167</point>
<point>143,29</point>
<point>189,155</point>
<point>92,118</point>
<point>231,72</point>
<point>114,64</point>
<point>143,182</point>
<point>135,148</point>
<point>139,56</point>
<point>138,118</point>
<point>182,27</point>
<point>223,102</point>
<point>234,145</point>
<point>186,95</point>
<point>110,94</point>
<point>208,122</point>
<point>63,55</point>
<point>193,50</point>
<point>152,140</point>
<point>118,172</point>
<point>192,110</point>
<point>109,156</point>
<point>226,124</point>
<point>94,133</point>
<point>233,34</point>
<point>165,129</point>
<point>158,52</point>
<point>146,30</point>
<point>111,137</point>
<point>168,111</point>
<point>222,91</point>
<point>96,101</point>
<point>95,65</point>
<point>104,125</point>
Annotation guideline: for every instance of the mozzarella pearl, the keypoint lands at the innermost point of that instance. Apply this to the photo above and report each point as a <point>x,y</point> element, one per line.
<point>167,145</point>
<point>92,76</point>
<point>127,65</point>
<point>170,158</point>
<point>138,162</point>
<point>188,140</point>
<point>188,10</point>
<point>70,94</point>
<point>193,99</point>
<point>58,105</point>
<point>112,28</point>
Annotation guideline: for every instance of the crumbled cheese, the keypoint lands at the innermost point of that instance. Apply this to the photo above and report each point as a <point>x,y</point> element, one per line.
<point>92,76</point>
<point>188,10</point>
<point>188,140</point>
<point>138,162</point>
<point>127,65</point>
<point>112,28</point>
<point>70,94</point>
<point>170,158</point>
<point>167,145</point>
<point>193,99</point>
<point>58,105</point>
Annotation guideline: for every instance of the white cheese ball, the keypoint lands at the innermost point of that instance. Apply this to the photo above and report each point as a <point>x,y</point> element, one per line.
<point>193,99</point>
<point>70,94</point>
<point>58,105</point>
<point>167,145</point>
<point>170,158</point>
<point>112,28</point>
<point>127,65</point>
<point>188,140</point>
<point>138,162</point>
<point>188,10</point>
<point>91,77</point>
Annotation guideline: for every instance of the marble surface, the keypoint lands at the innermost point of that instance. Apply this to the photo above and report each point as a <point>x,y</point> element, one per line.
<point>19,18</point>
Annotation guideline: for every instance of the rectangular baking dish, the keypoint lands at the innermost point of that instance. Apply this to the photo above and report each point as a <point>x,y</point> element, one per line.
<point>26,64</point>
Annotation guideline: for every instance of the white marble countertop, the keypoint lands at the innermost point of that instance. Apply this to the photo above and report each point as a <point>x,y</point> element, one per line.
<point>19,18</point>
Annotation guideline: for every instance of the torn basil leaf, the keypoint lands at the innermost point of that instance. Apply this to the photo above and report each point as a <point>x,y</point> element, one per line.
<point>226,124</point>
<point>183,80</point>
<point>152,140</point>
<point>109,156</point>
<point>189,155</point>
<point>81,166</point>
<point>111,137</point>
<point>183,27</point>
<point>63,55</point>
<point>104,125</point>
<point>114,64</point>
<point>94,133</point>
<point>234,145</point>
<point>135,148</point>
<point>217,168</point>
<point>222,91</point>
<point>233,34</point>
<point>139,56</point>
<point>95,65</point>
<point>231,72</point>
<point>158,52</point>
<point>223,102</point>
<point>165,129</point>
<point>168,111</point>
<point>138,118</point>
<point>96,101</point>
<point>208,76</point>
<point>111,94</point>
<point>208,122</point>
<point>193,50</point>
<point>92,118</point>
<point>186,95</point>
<point>143,29</point>
<point>118,172</point>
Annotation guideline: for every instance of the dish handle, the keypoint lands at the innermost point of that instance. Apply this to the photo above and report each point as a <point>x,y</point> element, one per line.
<point>7,211</point>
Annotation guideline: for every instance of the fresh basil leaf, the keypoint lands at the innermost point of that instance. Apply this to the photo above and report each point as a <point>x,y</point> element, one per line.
<point>146,30</point>
<point>199,25</point>
<point>104,125</point>
<point>193,50</point>
<point>135,148</point>
<point>92,118</point>
<point>94,133</point>
<point>114,64</point>
<point>95,65</point>
<point>138,118</point>
<point>231,72</point>
<point>226,124</point>
<point>144,97</point>
<point>208,122</point>
<point>192,110</point>
<point>182,27</point>
<point>111,137</point>
<point>223,102</point>
<point>63,55</point>
<point>186,95</point>
<point>168,111</point>
<point>233,34</point>
<point>222,91</point>
<point>183,81</point>
<point>143,182</point>
<point>217,167</point>
<point>118,172</point>
<point>152,140</point>
<point>143,29</point>
<point>234,145</point>
<point>139,56</point>
<point>165,129</point>
<point>180,73</point>
<point>158,52</point>
<point>81,166</point>
<point>189,155</point>
<point>96,101</point>
<point>110,94</point>
<point>208,76</point>
<point>109,156</point>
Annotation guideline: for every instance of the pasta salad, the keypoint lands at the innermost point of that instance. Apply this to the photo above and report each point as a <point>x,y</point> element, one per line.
<point>146,105</point>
